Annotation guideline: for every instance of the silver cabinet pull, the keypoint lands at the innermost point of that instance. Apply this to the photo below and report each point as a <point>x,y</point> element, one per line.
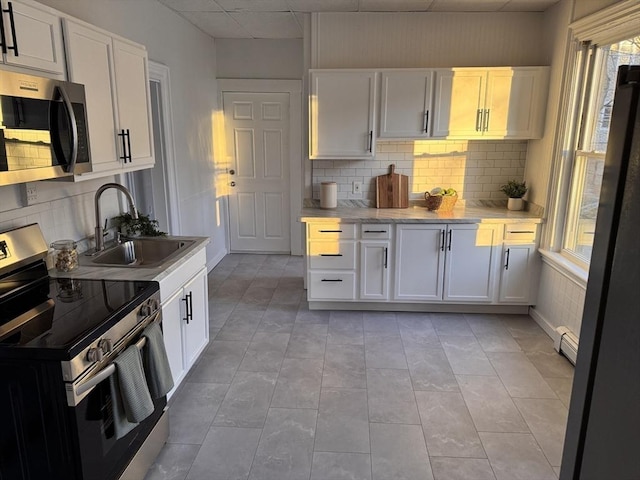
<point>486,120</point>
<point>478,119</point>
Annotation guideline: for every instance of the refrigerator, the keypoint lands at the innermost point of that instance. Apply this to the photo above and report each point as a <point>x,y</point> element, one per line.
<point>602,441</point>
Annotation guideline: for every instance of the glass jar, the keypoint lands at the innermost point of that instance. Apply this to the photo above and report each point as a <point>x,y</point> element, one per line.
<point>65,255</point>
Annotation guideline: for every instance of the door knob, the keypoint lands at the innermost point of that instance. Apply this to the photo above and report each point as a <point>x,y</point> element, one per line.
<point>232,172</point>
<point>233,184</point>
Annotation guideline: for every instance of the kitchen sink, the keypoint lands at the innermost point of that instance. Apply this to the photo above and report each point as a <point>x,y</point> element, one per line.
<point>141,252</point>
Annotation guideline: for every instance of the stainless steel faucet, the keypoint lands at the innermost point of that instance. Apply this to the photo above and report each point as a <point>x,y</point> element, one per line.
<point>99,229</point>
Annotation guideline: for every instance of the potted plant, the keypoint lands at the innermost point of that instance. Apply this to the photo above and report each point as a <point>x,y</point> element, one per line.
<point>515,190</point>
<point>142,226</point>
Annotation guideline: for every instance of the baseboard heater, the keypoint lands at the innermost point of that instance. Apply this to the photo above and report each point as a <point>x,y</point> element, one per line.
<point>566,343</point>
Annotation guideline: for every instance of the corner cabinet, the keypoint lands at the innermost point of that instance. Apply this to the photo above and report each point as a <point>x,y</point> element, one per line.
<point>185,315</point>
<point>496,103</point>
<point>115,74</point>
<point>520,264</point>
<point>342,114</point>
<point>33,37</point>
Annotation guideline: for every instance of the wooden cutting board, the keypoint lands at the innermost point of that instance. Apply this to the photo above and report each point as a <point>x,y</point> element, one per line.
<point>392,190</point>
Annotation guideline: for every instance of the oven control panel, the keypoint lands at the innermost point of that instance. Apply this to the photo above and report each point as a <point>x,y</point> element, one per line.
<point>111,342</point>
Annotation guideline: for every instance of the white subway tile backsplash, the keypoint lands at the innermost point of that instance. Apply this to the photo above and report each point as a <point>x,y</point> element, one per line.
<point>475,168</point>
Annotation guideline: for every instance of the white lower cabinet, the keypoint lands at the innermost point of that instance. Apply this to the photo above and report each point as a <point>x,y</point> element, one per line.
<point>470,263</point>
<point>185,315</point>
<point>517,269</point>
<point>454,263</point>
<point>419,262</point>
<point>374,270</point>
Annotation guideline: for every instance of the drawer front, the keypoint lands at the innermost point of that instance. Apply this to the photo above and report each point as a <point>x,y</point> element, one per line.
<point>375,231</point>
<point>521,232</point>
<point>330,255</point>
<point>332,286</point>
<point>332,231</point>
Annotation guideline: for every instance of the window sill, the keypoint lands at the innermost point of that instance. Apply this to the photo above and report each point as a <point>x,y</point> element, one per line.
<point>563,265</point>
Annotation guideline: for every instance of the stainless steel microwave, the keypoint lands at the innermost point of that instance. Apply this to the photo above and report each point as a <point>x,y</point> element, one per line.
<point>43,129</point>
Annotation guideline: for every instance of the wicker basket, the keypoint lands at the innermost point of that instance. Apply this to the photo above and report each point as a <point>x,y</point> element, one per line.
<point>443,203</point>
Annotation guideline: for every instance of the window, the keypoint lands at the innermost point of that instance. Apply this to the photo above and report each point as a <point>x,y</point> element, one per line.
<point>597,69</point>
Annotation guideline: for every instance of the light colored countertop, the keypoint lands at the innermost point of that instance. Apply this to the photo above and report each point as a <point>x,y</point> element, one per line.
<point>89,271</point>
<point>418,214</point>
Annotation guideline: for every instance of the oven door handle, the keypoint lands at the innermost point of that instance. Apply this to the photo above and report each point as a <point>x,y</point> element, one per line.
<point>105,372</point>
<point>71,164</point>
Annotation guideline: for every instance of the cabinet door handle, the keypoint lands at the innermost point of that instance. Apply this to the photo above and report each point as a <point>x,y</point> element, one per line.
<point>330,231</point>
<point>124,134</point>
<point>521,231</point>
<point>370,149</point>
<point>478,120</point>
<point>449,245</point>
<point>386,256</point>
<point>331,280</point>
<point>186,318</point>
<point>12,23</point>
<point>375,231</point>
<point>330,254</point>
<point>426,121</point>
<point>486,120</point>
<point>3,40</point>
<point>506,264</point>
<point>442,241</point>
<point>128,145</point>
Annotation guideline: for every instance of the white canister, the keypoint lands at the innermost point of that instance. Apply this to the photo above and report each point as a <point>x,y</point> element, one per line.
<point>328,195</point>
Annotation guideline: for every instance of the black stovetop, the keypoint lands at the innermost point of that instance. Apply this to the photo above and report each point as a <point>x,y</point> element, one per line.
<point>74,313</point>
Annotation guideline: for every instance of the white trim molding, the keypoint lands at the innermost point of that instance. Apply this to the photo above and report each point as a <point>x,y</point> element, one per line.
<point>565,267</point>
<point>294,89</point>
<point>609,25</point>
<point>160,73</point>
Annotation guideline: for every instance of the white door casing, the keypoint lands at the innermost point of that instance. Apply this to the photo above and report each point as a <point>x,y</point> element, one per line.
<point>257,143</point>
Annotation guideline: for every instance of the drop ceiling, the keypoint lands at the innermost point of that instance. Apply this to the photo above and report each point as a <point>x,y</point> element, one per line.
<point>284,18</point>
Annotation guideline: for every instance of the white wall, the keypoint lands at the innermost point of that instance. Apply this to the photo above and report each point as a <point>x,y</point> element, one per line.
<point>540,157</point>
<point>264,58</point>
<point>396,40</point>
<point>190,55</point>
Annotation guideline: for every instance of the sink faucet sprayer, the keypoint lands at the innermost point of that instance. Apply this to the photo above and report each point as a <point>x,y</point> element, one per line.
<point>99,229</point>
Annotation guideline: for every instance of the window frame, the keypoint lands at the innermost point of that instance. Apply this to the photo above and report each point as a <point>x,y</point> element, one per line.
<point>608,26</point>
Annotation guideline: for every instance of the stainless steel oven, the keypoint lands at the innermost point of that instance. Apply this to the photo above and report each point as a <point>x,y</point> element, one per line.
<point>43,128</point>
<point>59,339</point>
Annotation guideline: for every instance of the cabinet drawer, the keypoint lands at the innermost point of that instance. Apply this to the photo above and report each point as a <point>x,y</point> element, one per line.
<point>332,231</point>
<point>332,286</point>
<point>374,231</point>
<point>521,232</point>
<point>329,255</point>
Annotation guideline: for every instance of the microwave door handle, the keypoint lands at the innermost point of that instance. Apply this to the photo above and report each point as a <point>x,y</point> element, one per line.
<point>74,129</point>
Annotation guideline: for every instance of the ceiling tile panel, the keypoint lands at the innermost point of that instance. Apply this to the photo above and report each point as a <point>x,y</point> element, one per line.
<point>269,24</point>
<point>528,5</point>
<point>394,5</point>
<point>467,5</point>
<point>323,5</point>
<point>218,25</point>
<point>254,5</point>
<point>192,5</point>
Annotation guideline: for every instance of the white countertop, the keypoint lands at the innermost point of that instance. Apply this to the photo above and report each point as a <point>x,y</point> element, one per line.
<point>419,214</point>
<point>89,271</point>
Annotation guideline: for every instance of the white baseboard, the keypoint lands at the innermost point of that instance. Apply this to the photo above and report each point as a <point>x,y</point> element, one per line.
<point>216,260</point>
<point>544,324</point>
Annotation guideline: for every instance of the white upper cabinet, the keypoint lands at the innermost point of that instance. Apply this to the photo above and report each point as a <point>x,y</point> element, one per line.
<point>342,114</point>
<point>406,103</point>
<point>495,103</point>
<point>114,73</point>
<point>32,37</point>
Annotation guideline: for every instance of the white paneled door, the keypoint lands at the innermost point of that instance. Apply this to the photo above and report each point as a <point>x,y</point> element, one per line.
<point>257,143</point>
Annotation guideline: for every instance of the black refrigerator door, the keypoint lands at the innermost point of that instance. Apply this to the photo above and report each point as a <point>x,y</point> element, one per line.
<point>603,431</point>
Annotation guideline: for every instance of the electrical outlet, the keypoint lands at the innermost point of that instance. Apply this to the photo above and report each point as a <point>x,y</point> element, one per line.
<point>356,187</point>
<point>31,191</point>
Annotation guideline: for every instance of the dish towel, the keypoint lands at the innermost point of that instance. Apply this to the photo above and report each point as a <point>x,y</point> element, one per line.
<point>121,426</point>
<point>159,378</point>
<point>136,400</point>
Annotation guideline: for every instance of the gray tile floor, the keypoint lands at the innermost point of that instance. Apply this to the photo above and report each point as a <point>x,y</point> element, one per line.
<point>283,392</point>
